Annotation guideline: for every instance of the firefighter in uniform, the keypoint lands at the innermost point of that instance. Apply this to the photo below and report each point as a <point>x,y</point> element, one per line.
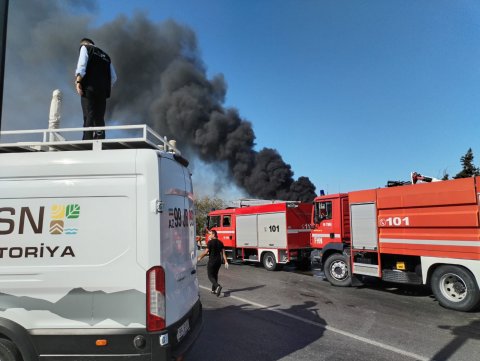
<point>94,77</point>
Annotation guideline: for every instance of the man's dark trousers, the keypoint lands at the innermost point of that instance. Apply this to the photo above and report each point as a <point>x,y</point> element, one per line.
<point>212,271</point>
<point>93,106</point>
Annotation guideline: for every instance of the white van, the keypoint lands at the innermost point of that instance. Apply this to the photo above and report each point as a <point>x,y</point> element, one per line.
<point>97,248</point>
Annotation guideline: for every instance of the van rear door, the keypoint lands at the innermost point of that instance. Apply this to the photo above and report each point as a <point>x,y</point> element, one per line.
<point>177,235</point>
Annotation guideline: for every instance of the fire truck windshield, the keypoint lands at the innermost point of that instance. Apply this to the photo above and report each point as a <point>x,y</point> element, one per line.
<point>213,221</point>
<point>323,210</point>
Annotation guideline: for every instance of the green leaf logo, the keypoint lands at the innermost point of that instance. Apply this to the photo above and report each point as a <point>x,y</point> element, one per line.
<point>72,211</point>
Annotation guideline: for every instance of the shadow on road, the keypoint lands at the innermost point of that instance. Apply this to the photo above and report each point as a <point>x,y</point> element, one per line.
<point>239,333</point>
<point>396,288</point>
<point>253,288</point>
<point>462,334</point>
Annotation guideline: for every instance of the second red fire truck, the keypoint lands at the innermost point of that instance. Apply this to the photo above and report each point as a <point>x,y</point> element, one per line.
<point>273,233</point>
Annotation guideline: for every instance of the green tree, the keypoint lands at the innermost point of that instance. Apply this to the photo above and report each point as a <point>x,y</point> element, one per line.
<point>469,169</point>
<point>202,207</point>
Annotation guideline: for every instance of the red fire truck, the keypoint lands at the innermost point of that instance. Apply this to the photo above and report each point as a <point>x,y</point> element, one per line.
<point>273,234</point>
<point>413,234</point>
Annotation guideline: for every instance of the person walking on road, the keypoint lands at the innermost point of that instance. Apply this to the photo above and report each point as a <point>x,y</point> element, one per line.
<point>215,251</point>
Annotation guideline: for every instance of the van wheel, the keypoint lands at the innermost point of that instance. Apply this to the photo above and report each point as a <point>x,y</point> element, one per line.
<point>455,287</point>
<point>8,351</point>
<point>269,261</point>
<point>337,270</point>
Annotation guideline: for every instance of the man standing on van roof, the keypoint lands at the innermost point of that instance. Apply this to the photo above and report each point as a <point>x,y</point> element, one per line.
<point>94,78</point>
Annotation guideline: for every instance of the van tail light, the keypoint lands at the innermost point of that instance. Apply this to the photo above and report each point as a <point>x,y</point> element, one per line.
<point>155,299</point>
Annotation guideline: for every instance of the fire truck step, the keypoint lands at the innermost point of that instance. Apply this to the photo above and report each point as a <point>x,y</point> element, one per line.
<point>401,277</point>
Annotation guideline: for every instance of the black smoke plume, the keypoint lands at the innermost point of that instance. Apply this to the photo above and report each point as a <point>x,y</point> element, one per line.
<point>162,82</point>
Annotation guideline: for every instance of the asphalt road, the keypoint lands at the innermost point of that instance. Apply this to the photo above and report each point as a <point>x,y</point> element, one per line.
<point>285,315</point>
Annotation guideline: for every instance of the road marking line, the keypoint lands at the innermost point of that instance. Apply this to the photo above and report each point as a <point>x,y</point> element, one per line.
<point>332,329</point>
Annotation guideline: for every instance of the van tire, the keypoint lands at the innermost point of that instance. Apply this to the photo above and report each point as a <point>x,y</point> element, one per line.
<point>8,351</point>
<point>337,270</point>
<point>269,261</point>
<point>455,287</point>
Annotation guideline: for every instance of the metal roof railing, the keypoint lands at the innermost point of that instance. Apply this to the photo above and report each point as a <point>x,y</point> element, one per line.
<point>120,137</point>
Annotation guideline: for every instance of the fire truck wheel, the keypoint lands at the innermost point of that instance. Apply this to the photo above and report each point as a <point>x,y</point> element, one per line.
<point>337,270</point>
<point>8,351</point>
<point>269,261</point>
<point>455,288</point>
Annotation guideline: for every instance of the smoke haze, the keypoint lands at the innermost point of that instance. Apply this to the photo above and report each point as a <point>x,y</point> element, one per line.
<point>162,83</point>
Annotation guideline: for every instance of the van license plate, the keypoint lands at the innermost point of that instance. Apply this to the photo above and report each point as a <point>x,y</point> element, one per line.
<point>183,330</point>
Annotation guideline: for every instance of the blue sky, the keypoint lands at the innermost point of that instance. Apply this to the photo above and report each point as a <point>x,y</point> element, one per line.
<point>351,93</point>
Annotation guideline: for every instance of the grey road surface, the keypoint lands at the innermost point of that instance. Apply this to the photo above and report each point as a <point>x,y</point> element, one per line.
<point>292,316</point>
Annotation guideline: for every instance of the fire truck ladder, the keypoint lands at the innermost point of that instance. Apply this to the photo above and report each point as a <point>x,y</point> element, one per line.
<point>248,202</point>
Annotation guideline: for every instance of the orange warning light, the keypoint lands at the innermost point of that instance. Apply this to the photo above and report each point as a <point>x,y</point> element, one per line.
<point>101,342</point>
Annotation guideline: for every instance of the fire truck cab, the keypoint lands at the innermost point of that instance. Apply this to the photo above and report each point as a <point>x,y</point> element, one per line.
<point>223,220</point>
<point>331,223</point>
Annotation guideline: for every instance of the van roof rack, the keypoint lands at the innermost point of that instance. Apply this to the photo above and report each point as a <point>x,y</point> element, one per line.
<point>120,137</point>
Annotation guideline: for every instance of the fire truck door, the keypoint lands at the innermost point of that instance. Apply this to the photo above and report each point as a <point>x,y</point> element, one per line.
<point>272,230</point>
<point>364,226</point>
<point>324,232</point>
<point>226,232</point>
<point>247,235</point>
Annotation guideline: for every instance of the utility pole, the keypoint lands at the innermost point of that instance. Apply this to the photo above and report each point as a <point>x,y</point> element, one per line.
<point>3,45</point>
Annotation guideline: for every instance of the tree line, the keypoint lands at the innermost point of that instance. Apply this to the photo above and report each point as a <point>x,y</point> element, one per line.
<point>468,168</point>
<point>203,206</point>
